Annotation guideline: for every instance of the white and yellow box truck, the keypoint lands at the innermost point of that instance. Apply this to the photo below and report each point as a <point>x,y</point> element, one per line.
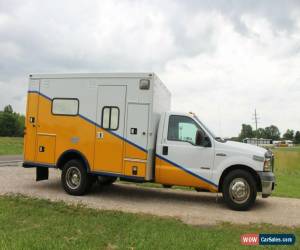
<point>100,127</point>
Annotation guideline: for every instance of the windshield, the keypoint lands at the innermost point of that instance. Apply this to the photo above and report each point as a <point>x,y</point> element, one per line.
<point>218,138</point>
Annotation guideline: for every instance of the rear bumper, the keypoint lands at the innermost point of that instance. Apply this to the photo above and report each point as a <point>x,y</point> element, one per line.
<point>29,164</point>
<point>42,170</point>
<point>267,180</point>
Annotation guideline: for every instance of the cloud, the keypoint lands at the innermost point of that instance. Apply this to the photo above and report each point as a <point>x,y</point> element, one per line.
<point>220,59</point>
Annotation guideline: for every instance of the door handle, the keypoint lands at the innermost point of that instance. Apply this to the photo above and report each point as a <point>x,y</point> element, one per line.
<point>99,135</point>
<point>32,119</point>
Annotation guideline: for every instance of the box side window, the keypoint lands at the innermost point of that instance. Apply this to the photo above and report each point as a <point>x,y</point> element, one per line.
<point>65,106</point>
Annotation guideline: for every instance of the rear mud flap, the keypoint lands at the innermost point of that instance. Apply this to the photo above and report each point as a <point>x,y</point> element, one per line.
<point>42,173</point>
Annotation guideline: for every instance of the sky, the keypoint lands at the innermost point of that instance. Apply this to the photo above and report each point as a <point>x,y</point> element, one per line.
<point>220,59</point>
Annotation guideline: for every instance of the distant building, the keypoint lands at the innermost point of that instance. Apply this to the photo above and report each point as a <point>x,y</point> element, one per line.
<point>259,141</point>
<point>283,143</point>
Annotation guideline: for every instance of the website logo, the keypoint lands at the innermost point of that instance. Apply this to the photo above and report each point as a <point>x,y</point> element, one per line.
<point>267,239</point>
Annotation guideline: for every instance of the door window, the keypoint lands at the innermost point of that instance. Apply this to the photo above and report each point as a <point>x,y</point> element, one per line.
<point>182,128</point>
<point>110,118</point>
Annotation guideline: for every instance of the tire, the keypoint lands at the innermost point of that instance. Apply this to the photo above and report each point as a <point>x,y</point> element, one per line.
<point>75,179</point>
<point>167,186</point>
<point>106,180</point>
<point>239,190</point>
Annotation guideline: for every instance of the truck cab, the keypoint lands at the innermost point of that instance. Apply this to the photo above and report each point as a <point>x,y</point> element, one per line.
<point>189,154</point>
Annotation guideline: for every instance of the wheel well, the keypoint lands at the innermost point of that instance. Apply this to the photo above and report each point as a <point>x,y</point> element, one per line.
<point>241,167</point>
<point>72,155</point>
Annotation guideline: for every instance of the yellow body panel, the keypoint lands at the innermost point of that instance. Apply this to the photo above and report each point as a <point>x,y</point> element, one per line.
<point>46,149</point>
<point>135,168</point>
<point>166,173</point>
<point>72,132</point>
<point>133,152</point>
<point>108,153</point>
<point>30,128</point>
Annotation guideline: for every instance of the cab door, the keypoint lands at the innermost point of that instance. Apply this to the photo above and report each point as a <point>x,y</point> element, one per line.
<point>109,144</point>
<point>185,162</point>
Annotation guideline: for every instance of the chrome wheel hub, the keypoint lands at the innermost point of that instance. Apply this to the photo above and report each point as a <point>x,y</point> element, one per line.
<point>239,190</point>
<point>73,177</point>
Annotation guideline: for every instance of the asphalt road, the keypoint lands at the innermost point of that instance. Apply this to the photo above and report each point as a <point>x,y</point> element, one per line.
<point>189,206</point>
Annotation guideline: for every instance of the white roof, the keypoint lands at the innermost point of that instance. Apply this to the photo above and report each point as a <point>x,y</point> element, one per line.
<point>92,75</point>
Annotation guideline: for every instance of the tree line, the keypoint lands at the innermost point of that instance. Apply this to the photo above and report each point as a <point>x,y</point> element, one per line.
<point>272,132</point>
<point>11,123</point>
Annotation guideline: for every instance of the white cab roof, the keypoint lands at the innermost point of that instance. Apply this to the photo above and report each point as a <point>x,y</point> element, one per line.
<point>180,113</point>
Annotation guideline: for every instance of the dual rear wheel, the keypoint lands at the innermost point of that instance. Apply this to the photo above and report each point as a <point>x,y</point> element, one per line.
<point>76,181</point>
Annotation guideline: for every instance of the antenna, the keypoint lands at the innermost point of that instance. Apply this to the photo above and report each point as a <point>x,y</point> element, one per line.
<point>256,118</point>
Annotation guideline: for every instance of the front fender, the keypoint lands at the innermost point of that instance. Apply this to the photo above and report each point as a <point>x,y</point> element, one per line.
<point>222,164</point>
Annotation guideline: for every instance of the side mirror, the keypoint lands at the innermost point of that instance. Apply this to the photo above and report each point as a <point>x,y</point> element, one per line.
<point>202,140</point>
<point>199,138</point>
<point>207,142</point>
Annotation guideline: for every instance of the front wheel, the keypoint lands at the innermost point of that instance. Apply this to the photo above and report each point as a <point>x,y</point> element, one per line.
<point>239,190</point>
<point>75,179</point>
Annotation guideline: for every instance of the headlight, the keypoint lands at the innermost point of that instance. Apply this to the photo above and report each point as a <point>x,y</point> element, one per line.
<point>269,161</point>
<point>267,165</point>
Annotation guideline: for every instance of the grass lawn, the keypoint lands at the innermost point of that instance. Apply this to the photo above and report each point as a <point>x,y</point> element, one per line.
<point>27,223</point>
<point>11,145</point>
<point>287,171</point>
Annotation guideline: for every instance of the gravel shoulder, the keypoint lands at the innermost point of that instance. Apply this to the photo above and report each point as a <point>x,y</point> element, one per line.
<point>4,158</point>
<point>188,206</point>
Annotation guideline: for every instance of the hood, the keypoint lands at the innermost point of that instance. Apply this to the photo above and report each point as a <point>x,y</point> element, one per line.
<point>246,148</point>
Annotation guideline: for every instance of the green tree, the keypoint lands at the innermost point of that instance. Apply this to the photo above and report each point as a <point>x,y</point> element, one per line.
<point>8,109</point>
<point>272,132</point>
<point>21,125</point>
<point>260,133</point>
<point>297,137</point>
<point>289,134</point>
<point>246,132</point>
<point>11,123</point>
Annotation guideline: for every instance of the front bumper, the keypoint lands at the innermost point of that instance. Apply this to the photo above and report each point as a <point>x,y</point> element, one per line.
<point>267,180</point>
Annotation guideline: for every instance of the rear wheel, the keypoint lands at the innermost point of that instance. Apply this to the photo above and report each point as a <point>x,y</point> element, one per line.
<point>75,179</point>
<point>239,190</point>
